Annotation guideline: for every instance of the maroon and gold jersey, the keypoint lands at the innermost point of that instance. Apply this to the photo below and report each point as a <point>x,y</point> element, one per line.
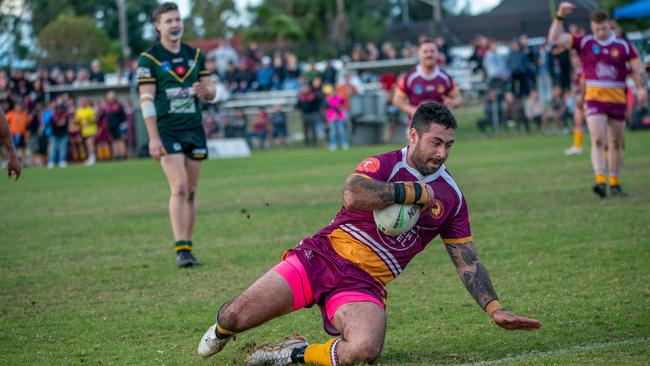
<point>419,87</point>
<point>605,65</point>
<point>354,236</point>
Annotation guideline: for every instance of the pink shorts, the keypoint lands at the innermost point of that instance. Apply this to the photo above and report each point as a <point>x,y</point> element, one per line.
<point>326,286</point>
<point>612,110</point>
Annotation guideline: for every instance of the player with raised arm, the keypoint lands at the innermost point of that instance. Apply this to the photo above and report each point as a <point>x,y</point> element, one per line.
<point>426,82</point>
<point>345,267</point>
<point>171,78</point>
<point>605,59</point>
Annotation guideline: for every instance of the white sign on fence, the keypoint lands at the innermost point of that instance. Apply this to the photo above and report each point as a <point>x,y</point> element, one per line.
<point>228,148</point>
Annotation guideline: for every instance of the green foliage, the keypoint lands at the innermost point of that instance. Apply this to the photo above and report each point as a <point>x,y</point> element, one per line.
<point>209,18</point>
<point>71,40</point>
<point>274,28</point>
<point>88,276</point>
<point>364,20</point>
<point>105,13</point>
<point>110,61</point>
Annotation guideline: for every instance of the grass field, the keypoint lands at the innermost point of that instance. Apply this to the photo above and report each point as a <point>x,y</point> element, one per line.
<point>87,272</point>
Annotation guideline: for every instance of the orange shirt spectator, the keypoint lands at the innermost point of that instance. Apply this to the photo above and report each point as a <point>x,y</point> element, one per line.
<point>18,120</point>
<point>346,90</point>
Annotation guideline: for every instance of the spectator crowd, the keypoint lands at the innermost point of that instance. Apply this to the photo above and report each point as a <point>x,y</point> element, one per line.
<point>528,88</point>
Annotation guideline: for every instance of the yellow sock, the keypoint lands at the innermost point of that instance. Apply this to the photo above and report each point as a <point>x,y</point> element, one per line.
<point>577,138</point>
<point>82,155</point>
<point>613,180</point>
<point>320,354</point>
<point>75,155</point>
<point>600,178</point>
<point>223,331</point>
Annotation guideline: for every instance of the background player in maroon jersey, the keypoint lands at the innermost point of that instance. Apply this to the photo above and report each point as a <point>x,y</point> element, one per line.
<point>606,61</point>
<point>426,82</point>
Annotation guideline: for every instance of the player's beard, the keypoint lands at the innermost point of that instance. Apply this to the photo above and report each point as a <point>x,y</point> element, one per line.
<point>424,164</point>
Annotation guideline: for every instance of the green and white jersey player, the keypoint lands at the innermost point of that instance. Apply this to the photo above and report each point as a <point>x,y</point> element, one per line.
<point>171,79</point>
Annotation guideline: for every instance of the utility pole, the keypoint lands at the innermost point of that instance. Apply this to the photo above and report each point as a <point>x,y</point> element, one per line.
<point>124,40</point>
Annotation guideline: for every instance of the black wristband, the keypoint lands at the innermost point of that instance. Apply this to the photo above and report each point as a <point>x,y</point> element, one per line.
<point>418,192</point>
<point>400,192</point>
<point>559,18</point>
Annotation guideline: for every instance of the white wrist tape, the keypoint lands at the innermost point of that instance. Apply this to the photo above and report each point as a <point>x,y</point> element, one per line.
<point>216,95</point>
<point>148,109</point>
<point>145,96</point>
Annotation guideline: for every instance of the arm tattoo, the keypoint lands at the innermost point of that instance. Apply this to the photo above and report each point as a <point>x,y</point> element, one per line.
<point>384,190</point>
<point>479,285</point>
<point>472,272</point>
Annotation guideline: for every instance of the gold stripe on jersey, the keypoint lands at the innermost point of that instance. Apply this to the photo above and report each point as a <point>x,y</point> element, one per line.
<point>146,80</point>
<point>172,72</point>
<point>204,72</point>
<point>465,240</point>
<point>606,95</point>
<point>362,175</point>
<point>359,254</point>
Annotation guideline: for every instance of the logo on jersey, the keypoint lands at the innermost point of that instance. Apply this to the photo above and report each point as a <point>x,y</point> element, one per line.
<point>165,66</point>
<point>418,89</point>
<point>180,70</point>
<point>143,72</point>
<point>615,53</point>
<point>370,165</point>
<point>606,71</point>
<point>596,49</point>
<point>190,63</point>
<point>402,242</point>
<point>177,60</point>
<point>176,146</point>
<point>441,88</point>
<point>437,209</point>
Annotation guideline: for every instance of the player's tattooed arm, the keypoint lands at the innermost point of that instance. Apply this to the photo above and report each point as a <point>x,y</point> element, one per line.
<point>364,193</point>
<point>472,272</point>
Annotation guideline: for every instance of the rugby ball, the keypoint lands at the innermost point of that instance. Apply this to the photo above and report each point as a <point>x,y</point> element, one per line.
<point>396,219</point>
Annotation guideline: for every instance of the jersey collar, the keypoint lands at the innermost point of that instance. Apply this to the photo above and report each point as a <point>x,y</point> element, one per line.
<point>432,76</point>
<point>416,173</point>
<point>608,41</point>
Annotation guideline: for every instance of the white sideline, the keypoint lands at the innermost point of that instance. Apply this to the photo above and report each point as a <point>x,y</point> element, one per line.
<point>561,351</point>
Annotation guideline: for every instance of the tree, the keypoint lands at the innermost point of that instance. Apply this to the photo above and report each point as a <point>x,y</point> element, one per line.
<point>275,27</point>
<point>209,19</point>
<point>331,27</point>
<point>103,12</point>
<point>72,40</point>
<point>12,21</point>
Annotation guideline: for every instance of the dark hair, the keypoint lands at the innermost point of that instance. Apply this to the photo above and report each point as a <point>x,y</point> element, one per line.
<point>598,16</point>
<point>428,113</point>
<point>425,40</point>
<point>162,9</point>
